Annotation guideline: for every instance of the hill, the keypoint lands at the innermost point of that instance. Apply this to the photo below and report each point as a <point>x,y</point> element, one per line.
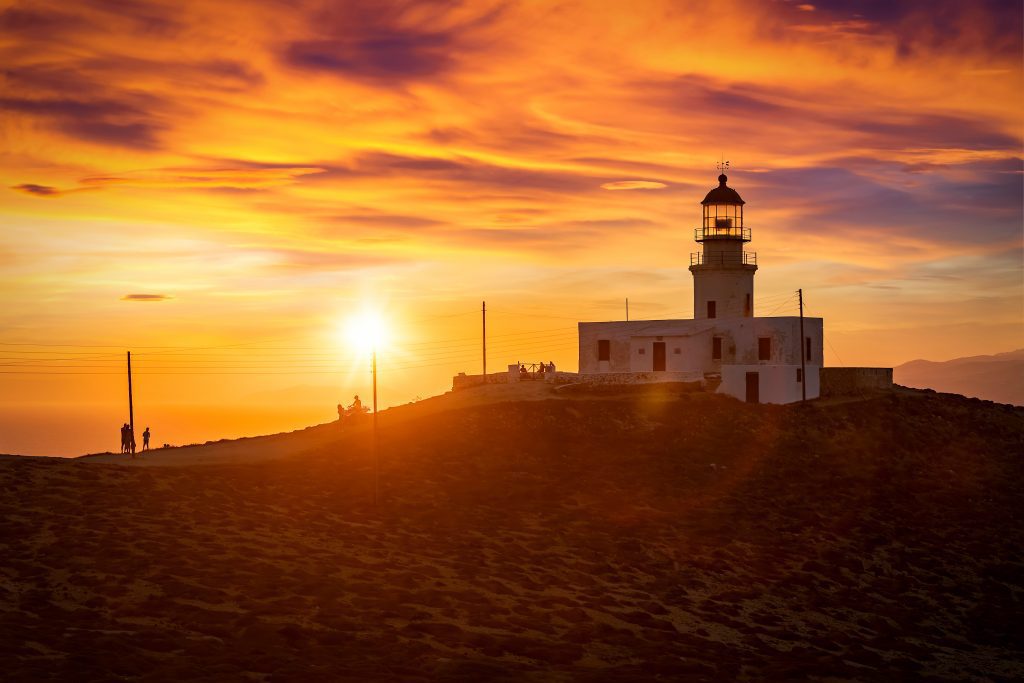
<point>648,535</point>
<point>997,378</point>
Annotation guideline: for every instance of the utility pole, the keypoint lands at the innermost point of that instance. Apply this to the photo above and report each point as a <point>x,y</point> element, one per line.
<point>131,408</point>
<point>803,353</point>
<point>627,309</point>
<point>483,310</point>
<point>376,458</point>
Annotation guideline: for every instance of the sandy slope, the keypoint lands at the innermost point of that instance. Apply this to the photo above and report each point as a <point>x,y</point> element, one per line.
<point>647,537</point>
<point>257,448</point>
<point>268,447</point>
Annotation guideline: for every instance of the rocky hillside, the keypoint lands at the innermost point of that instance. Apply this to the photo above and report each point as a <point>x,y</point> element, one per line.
<point>645,536</point>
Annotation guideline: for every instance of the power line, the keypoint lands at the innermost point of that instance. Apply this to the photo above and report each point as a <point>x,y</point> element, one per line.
<point>541,343</point>
<point>506,341</point>
<point>827,340</point>
<point>439,344</point>
<point>789,301</point>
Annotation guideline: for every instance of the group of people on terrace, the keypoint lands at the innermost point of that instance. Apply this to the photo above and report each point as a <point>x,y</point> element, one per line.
<point>535,370</point>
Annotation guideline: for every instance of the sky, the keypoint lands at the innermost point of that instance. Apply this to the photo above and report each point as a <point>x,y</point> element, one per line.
<point>219,186</point>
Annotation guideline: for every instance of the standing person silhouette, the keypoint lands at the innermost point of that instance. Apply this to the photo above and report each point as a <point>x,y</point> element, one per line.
<point>124,438</point>
<point>145,439</point>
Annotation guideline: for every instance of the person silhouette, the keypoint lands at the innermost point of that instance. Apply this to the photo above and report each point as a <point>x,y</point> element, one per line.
<point>145,439</point>
<point>357,405</point>
<point>124,438</point>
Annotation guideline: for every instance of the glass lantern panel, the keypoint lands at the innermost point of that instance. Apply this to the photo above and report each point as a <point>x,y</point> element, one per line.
<point>723,216</point>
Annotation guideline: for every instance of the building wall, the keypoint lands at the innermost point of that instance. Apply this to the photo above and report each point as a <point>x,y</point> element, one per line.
<point>693,338</point>
<point>682,353</point>
<point>727,286</point>
<point>839,381</point>
<point>776,383</point>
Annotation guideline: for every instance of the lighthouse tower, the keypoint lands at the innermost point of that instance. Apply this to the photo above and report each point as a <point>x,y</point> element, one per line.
<point>723,273</point>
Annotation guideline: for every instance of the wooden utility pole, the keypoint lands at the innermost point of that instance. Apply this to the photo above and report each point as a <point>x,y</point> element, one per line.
<point>376,458</point>
<point>627,309</point>
<point>803,352</point>
<point>483,310</point>
<point>131,408</point>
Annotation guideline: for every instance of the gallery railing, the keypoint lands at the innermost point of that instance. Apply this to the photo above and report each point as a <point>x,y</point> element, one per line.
<point>712,232</point>
<point>746,258</point>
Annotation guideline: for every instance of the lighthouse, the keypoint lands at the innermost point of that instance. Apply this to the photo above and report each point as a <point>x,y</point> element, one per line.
<point>723,272</point>
<point>724,347</point>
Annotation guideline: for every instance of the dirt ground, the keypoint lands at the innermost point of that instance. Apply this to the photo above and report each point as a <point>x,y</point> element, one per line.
<point>653,535</point>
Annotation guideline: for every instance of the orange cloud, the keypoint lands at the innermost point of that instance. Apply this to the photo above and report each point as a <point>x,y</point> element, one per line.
<point>272,165</point>
<point>634,185</point>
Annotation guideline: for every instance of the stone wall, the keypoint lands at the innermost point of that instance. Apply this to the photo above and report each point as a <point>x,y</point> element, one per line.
<point>840,381</point>
<point>464,381</point>
<point>638,377</point>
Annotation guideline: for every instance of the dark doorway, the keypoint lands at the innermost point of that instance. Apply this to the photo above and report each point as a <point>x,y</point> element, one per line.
<point>711,309</point>
<point>659,356</point>
<point>753,387</point>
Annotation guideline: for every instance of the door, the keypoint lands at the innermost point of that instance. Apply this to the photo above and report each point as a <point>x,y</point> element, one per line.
<point>753,387</point>
<point>659,356</point>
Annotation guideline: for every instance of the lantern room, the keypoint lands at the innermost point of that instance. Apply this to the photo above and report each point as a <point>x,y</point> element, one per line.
<point>723,215</point>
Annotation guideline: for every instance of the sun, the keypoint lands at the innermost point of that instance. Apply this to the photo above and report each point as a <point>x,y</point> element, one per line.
<point>366,332</point>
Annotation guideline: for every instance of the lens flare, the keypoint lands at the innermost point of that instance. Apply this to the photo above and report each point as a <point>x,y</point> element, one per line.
<point>366,332</point>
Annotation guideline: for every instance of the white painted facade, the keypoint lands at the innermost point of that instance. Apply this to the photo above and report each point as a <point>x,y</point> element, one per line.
<point>776,383</point>
<point>758,359</point>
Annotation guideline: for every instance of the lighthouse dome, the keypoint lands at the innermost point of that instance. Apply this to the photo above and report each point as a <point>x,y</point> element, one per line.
<point>723,194</point>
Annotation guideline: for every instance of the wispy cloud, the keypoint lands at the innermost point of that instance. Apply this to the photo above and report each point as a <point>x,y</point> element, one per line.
<point>289,152</point>
<point>634,185</point>
<point>38,190</point>
<point>146,297</point>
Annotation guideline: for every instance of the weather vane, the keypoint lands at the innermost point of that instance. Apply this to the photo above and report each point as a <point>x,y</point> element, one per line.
<point>723,165</point>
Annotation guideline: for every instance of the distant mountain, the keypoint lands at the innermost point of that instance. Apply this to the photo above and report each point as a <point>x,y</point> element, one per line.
<point>997,378</point>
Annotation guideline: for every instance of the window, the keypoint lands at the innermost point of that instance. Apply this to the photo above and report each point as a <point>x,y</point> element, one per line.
<point>746,308</point>
<point>716,348</point>
<point>799,375</point>
<point>604,349</point>
<point>808,352</point>
<point>764,348</point>
<point>711,309</point>
<point>642,352</point>
<point>677,351</point>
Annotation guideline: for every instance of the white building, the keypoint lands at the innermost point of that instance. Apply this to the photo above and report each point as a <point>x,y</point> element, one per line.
<point>758,359</point>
